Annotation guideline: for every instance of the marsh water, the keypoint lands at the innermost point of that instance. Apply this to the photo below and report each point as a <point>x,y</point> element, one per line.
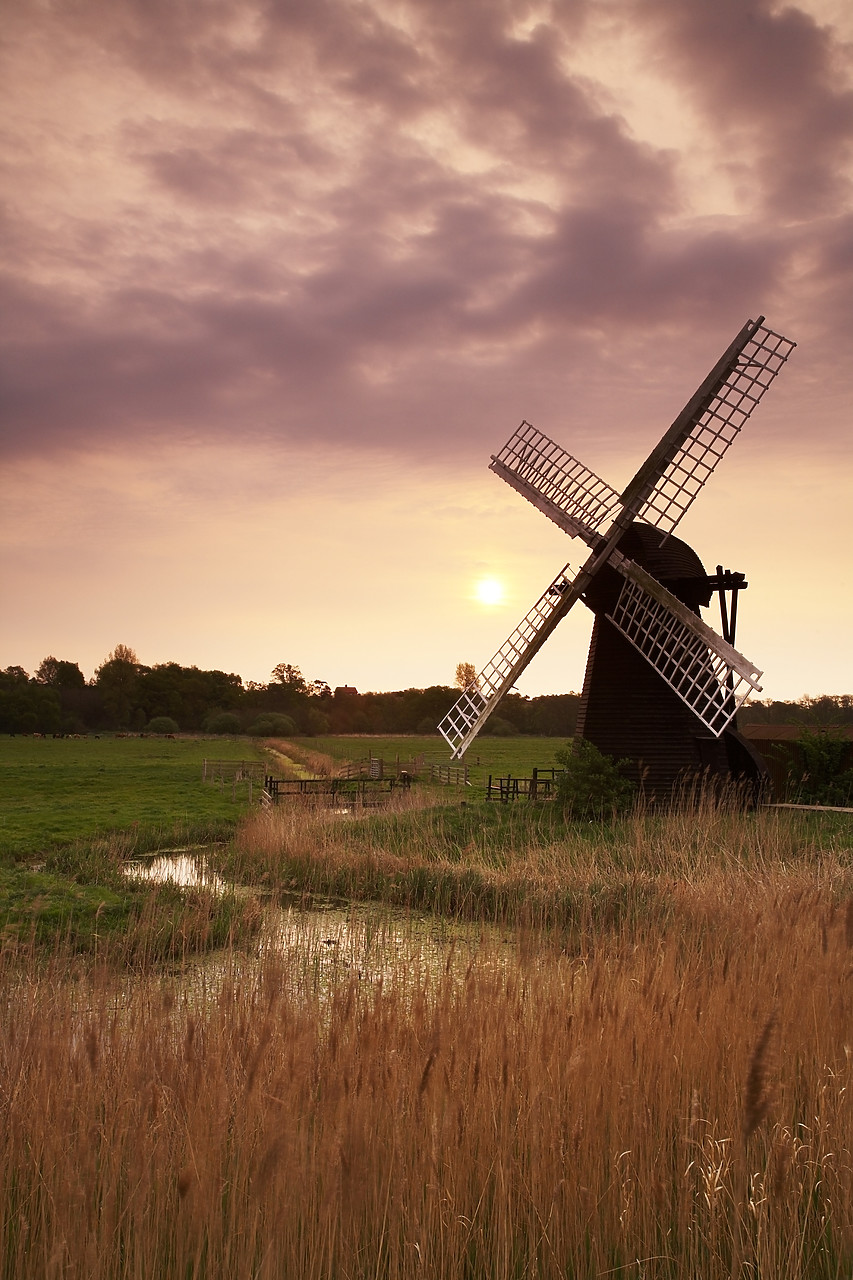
<point>368,938</point>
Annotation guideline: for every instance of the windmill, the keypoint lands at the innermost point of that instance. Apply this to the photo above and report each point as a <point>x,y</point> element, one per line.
<point>661,686</point>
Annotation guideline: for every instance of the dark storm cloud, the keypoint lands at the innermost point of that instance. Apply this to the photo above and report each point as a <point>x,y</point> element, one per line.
<point>349,223</point>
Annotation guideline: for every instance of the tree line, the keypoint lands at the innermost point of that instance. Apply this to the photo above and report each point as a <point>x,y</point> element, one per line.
<point>125,694</point>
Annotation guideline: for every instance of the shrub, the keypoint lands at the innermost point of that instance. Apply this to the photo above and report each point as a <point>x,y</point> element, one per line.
<point>316,722</point>
<point>222,722</point>
<point>162,724</point>
<point>500,728</point>
<point>824,780</point>
<point>273,725</point>
<point>593,785</point>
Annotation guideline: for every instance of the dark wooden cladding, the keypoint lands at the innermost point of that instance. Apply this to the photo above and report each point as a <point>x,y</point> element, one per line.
<point>627,710</point>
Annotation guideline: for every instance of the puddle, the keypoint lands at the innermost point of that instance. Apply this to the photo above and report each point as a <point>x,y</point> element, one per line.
<point>184,869</point>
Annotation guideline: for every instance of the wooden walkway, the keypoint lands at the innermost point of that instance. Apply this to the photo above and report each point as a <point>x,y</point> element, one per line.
<point>811,808</point>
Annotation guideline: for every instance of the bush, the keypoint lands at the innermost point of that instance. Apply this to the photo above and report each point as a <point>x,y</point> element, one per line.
<point>162,724</point>
<point>221,722</point>
<point>592,785</point>
<point>500,728</point>
<point>273,725</point>
<point>316,722</point>
<point>824,779</point>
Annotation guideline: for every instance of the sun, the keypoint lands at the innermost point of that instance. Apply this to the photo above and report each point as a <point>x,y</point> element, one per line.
<point>489,591</point>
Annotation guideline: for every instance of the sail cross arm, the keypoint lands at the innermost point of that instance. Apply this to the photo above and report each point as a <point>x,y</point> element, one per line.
<point>470,712</point>
<point>571,525</point>
<point>702,668</point>
<point>677,468</point>
<point>549,477</point>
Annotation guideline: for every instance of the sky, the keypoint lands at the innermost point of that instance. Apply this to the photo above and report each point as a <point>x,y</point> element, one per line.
<point>280,276</point>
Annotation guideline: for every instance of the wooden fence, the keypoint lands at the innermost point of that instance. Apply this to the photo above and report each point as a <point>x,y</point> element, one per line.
<point>541,786</point>
<point>241,775</point>
<point>227,770</point>
<point>363,792</point>
<point>449,775</point>
<point>377,767</point>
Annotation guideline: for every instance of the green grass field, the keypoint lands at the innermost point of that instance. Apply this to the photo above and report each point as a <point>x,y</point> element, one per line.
<point>72,811</point>
<point>57,791</point>
<point>496,756</point>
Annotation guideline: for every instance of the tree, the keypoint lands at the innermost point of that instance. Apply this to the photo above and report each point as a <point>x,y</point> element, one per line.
<point>222,722</point>
<point>60,675</point>
<point>466,675</point>
<point>316,722</point>
<point>117,680</point>
<point>825,779</point>
<point>16,676</point>
<point>25,705</point>
<point>272,725</point>
<point>124,653</point>
<point>498,727</point>
<point>285,673</point>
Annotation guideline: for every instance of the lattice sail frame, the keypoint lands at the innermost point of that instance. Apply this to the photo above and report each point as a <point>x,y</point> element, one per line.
<point>566,491</point>
<point>468,715</point>
<point>707,673</point>
<point>683,464</point>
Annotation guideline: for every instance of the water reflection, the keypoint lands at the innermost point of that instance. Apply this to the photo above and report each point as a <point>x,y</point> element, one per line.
<point>371,941</point>
<point>322,940</point>
<point>184,869</point>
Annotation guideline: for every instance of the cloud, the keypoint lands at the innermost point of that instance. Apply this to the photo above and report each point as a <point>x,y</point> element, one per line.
<point>773,85</point>
<point>374,223</point>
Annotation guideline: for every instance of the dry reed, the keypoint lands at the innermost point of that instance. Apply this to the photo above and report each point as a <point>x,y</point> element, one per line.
<point>647,1074</point>
<point>374,1106</point>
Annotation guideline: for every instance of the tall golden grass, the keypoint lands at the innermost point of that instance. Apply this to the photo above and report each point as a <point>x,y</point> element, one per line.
<point>526,866</point>
<point>667,1097</point>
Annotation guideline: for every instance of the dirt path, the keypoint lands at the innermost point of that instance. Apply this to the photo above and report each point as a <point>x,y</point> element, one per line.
<point>299,761</point>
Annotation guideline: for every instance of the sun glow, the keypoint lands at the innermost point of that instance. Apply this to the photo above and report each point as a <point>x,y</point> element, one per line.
<point>489,591</point>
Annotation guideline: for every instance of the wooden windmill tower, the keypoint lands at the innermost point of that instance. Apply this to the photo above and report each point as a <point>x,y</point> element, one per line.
<point>662,687</point>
